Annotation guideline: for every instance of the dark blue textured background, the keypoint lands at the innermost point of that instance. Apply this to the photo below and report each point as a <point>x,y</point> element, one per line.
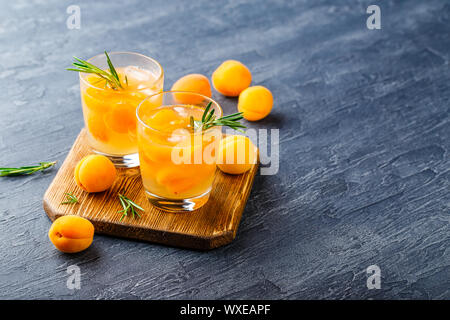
<point>364,140</point>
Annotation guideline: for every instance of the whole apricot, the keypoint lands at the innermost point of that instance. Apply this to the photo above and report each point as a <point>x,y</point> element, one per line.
<point>255,102</point>
<point>95,173</point>
<point>71,233</point>
<point>237,154</point>
<point>231,77</point>
<point>196,83</point>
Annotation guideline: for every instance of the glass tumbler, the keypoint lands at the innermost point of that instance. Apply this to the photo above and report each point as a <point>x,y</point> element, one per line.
<point>110,113</point>
<point>177,160</point>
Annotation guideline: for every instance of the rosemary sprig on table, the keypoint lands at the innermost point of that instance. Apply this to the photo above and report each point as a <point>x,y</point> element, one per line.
<point>209,120</point>
<point>111,78</point>
<point>21,171</point>
<point>127,204</point>
<point>71,199</point>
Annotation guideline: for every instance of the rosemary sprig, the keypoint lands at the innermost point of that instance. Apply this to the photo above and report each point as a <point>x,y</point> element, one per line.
<point>71,199</point>
<point>209,120</point>
<point>21,171</point>
<point>111,78</point>
<point>127,204</point>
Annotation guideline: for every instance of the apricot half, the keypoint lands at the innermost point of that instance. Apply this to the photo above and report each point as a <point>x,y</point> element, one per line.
<point>231,77</point>
<point>94,101</point>
<point>196,83</point>
<point>97,127</point>
<point>95,173</point>
<point>237,154</point>
<point>71,233</point>
<point>166,120</point>
<point>255,102</point>
<point>122,118</point>
<point>176,180</point>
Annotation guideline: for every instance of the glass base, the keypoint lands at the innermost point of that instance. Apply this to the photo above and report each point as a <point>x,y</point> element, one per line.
<point>125,161</point>
<point>178,205</point>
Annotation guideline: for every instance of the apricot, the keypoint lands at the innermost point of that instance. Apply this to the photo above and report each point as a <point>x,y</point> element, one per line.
<point>95,173</point>
<point>231,77</point>
<point>176,180</point>
<point>97,82</point>
<point>237,154</point>
<point>94,101</point>
<point>71,233</point>
<point>135,97</point>
<point>194,82</point>
<point>255,102</point>
<point>166,120</point>
<point>97,126</point>
<point>122,118</point>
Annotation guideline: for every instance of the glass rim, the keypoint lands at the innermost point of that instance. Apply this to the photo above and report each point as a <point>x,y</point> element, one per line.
<point>83,75</point>
<point>176,91</point>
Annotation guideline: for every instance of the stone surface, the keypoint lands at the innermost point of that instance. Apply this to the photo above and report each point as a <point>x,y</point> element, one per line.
<point>364,147</point>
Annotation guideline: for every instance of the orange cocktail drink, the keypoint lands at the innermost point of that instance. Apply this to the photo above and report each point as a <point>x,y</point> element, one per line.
<point>177,161</point>
<point>110,112</point>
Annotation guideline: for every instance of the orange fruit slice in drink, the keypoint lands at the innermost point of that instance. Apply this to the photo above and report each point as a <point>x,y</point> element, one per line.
<point>157,154</point>
<point>97,127</point>
<point>121,118</point>
<point>176,179</point>
<point>94,101</point>
<point>166,120</point>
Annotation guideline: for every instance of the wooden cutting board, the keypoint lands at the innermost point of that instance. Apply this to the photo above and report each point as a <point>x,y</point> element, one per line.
<point>213,225</point>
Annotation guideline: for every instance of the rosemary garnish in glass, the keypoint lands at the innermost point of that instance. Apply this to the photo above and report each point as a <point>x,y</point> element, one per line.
<point>111,78</point>
<point>209,120</point>
<point>127,204</point>
<point>21,171</point>
<point>70,198</point>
